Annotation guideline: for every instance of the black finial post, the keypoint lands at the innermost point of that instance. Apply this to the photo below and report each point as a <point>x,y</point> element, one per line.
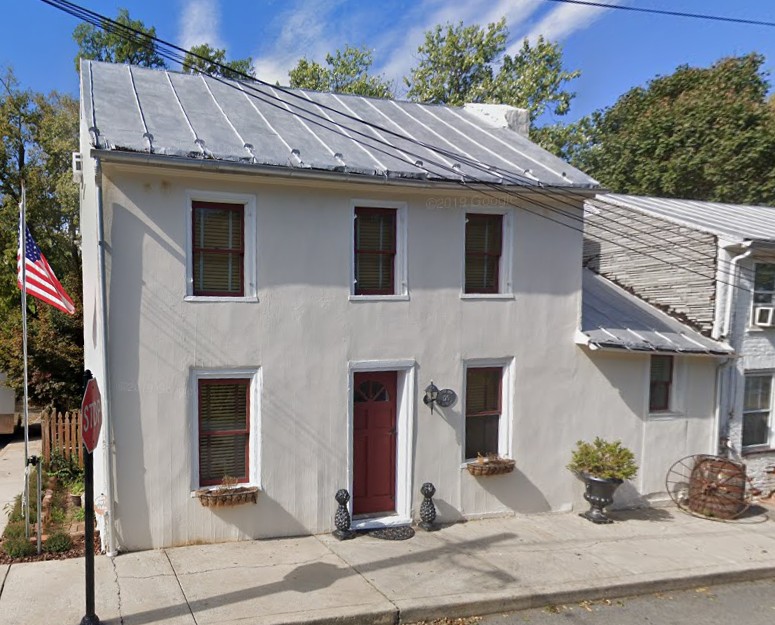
<point>342,517</point>
<point>427,508</point>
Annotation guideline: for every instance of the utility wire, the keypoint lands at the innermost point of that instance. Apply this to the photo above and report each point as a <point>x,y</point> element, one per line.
<point>701,16</point>
<point>143,39</point>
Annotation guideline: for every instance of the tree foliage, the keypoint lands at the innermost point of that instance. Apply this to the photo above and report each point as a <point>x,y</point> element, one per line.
<point>208,60</point>
<point>459,64</point>
<point>115,47</point>
<point>699,133</point>
<point>38,134</point>
<point>346,71</point>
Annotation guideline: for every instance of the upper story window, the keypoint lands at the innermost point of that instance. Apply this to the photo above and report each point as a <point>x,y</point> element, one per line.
<point>661,382</point>
<point>219,253</point>
<point>763,314</point>
<point>757,411</point>
<point>484,246</point>
<point>379,250</point>
<point>375,251</point>
<point>221,250</point>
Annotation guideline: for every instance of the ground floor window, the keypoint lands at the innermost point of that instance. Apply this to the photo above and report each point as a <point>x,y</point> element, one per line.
<point>660,383</point>
<point>224,429</point>
<point>483,410</point>
<point>757,410</point>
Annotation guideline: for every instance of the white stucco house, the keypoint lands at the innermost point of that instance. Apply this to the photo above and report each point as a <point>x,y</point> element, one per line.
<point>713,266</point>
<point>273,278</point>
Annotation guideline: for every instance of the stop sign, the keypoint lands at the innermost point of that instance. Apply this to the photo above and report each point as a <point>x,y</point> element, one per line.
<point>91,415</point>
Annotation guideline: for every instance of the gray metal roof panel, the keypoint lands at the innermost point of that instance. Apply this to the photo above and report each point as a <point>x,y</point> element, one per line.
<point>734,221</point>
<point>191,116</point>
<point>612,317</point>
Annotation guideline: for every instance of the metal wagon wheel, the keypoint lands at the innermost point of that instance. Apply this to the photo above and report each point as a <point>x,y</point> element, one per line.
<point>711,487</point>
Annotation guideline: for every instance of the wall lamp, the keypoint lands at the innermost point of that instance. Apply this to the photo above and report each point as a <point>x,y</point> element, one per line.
<point>435,397</point>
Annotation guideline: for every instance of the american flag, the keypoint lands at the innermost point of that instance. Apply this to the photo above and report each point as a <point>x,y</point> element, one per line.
<point>41,281</point>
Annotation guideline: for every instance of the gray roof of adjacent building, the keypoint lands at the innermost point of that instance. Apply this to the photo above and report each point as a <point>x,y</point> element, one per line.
<point>191,116</point>
<point>736,222</point>
<point>615,319</point>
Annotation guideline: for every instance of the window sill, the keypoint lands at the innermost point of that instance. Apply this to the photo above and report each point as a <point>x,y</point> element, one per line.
<point>666,414</point>
<point>220,298</point>
<point>495,296</point>
<point>404,297</point>
<point>217,486</point>
<point>758,449</point>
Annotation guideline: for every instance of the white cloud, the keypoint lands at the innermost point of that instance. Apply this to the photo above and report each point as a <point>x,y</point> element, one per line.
<point>200,23</point>
<point>563,21</point>
<point>306,30</point>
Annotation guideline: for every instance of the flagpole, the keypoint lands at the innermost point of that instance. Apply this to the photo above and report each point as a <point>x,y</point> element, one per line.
<point>23,260</point>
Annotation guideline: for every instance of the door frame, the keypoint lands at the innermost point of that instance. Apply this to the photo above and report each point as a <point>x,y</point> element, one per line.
<point>405,407</point>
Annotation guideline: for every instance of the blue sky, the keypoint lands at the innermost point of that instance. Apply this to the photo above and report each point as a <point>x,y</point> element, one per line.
<point>615,50</point>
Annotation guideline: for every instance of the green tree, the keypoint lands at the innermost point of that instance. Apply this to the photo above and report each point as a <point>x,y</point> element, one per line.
<point>699,133</point>
<point>116,47</point>
<point>208,60</point>
<point>346,71</point>
<point>459,64</point>
<point>37,137</point>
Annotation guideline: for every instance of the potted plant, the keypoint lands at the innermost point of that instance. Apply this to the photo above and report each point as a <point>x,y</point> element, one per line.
<point>603,465</point>
<point>227,493</point>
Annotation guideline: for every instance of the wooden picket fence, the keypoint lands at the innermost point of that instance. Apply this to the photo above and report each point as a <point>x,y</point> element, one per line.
<point>62,433</point>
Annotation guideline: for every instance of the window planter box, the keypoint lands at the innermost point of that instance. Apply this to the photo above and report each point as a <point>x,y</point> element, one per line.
<point>217,497</point>
<point>490,466</point>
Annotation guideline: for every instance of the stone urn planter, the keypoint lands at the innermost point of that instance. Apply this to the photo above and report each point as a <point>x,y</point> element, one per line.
<point>599,492</point>
<point>603,466</point>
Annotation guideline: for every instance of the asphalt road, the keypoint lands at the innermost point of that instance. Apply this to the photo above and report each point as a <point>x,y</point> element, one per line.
<point>750,603</point>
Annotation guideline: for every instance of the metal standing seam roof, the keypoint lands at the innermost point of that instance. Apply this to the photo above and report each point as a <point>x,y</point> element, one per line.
<point>734,221</point>
<point>613,318</point>
<point>159,112</point>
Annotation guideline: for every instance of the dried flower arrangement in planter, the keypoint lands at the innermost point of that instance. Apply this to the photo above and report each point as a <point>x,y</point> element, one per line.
<point>491,464</point>
<point>228,493</point>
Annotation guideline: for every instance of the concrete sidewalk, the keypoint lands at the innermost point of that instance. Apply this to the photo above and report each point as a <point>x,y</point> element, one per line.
<point>471,568</point>
<point>12,471</point>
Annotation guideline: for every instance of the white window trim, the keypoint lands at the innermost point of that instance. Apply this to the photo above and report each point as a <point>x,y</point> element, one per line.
<point>770,444</point>
<point>250,244</point>
<point>752,325</point>
<point>507,404</point>
<point>505,268</point>
<point>400,281</point>
<point>676,406</point>
<point>254,439</point>
<point>405,407</point>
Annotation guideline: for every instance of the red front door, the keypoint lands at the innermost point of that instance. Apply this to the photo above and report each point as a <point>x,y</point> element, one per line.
<point>374,442</point>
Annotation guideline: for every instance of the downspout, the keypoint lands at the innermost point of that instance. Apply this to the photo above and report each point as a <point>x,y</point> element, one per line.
<point>107,436</point>
<point>724,368</point>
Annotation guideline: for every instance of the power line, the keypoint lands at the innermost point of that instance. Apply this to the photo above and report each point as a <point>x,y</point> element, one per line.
<point>701,16</point>
<point>176,55</point>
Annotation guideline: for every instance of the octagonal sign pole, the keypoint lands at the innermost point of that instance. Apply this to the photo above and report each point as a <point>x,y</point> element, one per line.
<point>91,423</point>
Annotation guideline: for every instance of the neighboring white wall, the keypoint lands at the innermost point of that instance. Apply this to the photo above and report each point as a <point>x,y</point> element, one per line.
<point>615,406</point>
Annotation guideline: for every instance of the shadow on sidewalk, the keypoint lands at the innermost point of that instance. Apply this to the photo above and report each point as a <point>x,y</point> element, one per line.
<point>315,576</point>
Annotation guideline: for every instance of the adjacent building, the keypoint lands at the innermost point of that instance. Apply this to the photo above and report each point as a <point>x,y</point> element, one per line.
<point>711,265</point>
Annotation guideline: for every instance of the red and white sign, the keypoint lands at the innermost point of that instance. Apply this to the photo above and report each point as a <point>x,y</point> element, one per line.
<point>91,415</point>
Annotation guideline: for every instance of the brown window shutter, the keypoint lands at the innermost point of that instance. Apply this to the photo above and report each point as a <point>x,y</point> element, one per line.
<point>218,254</point>
<point>224,430</point>
<point>483,410</point>
<point>484,241</point>
<point>375,251</point>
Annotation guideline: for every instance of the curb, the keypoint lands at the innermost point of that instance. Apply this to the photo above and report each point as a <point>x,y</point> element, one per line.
<point>492,603</point>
